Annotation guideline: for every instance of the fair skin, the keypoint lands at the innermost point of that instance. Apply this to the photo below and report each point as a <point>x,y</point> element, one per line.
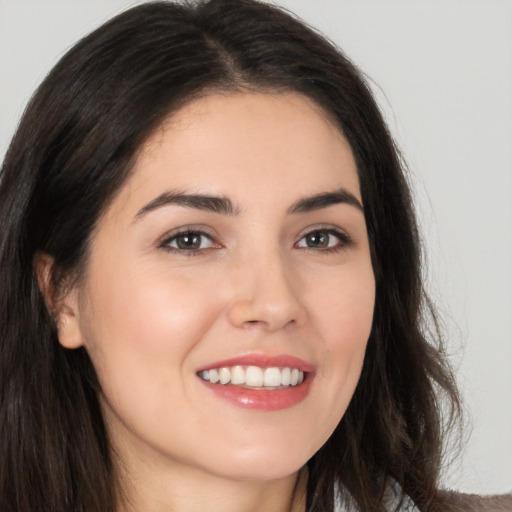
<point>174,285</point>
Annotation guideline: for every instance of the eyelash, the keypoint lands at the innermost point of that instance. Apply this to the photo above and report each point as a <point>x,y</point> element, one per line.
<point>165,244</point>
<point>344,241</point>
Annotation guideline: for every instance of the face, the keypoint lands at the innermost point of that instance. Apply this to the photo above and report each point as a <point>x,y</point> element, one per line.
<point>229,292</point>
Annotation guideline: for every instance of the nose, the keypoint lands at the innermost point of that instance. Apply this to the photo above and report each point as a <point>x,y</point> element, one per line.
<point>267,295</point>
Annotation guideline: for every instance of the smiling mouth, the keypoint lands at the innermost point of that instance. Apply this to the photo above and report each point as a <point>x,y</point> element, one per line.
<point>254,377</point>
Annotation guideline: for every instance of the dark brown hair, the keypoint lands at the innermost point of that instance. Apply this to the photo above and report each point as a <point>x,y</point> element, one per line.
<point>74,149</point>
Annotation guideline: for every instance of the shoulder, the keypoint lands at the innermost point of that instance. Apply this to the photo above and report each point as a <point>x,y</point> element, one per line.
<point>460,502</point>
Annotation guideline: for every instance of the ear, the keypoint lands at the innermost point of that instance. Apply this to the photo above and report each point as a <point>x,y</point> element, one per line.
<point>61,303</point>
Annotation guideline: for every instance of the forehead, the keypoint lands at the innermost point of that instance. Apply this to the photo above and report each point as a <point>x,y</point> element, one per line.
<point>246,145</point>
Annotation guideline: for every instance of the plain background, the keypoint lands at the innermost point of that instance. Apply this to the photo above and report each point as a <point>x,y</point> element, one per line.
<point>442,72</point>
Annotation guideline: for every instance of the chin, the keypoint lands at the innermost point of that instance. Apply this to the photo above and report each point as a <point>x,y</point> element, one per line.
<point>266,465</point>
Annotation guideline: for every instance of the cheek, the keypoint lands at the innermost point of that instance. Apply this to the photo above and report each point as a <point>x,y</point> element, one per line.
<point>142,332</point>
<point>141,326</point>
<point>345,307</point>
<point>344,314</point>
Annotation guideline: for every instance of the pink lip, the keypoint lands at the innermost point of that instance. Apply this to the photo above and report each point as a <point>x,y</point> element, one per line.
<point>263,361</point>
<point>262,399</point>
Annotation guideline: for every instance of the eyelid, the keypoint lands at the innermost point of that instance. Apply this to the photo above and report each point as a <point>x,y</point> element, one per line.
<point>165,241</point>
<point>341,234</point>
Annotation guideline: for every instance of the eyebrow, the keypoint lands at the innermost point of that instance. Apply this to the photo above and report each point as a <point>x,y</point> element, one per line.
<point>319,201</point>
<point>224,205</point>
<point>214,204</point>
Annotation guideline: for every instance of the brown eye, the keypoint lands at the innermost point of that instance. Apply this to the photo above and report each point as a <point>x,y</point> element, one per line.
<point>323,239</point>
<point>189,241</point>
<point>317,239</point>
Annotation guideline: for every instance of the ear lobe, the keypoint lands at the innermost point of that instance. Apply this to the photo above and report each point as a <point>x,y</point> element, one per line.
<point>62,305</point>
<point>68,325</point>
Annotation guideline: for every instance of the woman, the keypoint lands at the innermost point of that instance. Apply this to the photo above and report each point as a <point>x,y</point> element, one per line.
<point>211,292</point>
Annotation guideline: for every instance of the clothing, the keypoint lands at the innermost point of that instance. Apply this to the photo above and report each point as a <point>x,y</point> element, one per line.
<point>392,499</point>
<point>407,506</point>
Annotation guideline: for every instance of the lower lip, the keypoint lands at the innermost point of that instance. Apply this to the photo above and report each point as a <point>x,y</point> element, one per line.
<point>262,399</point>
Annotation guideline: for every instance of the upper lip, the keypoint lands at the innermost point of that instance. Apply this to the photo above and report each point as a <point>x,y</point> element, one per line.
<point>263,361</point>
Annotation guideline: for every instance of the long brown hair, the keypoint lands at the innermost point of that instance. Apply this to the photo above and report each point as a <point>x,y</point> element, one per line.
<point>74,149</point>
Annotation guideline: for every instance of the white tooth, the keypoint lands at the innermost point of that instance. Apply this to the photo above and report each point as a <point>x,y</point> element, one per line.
<point>254,376</point>
<point>237,375</point>
<point>272,377</point>
<point>224,375</point>
<point>214,376</point>
<point>301,378</point>
<point>294,377</point>
<point>286,374</point>
<point>205,375</point>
